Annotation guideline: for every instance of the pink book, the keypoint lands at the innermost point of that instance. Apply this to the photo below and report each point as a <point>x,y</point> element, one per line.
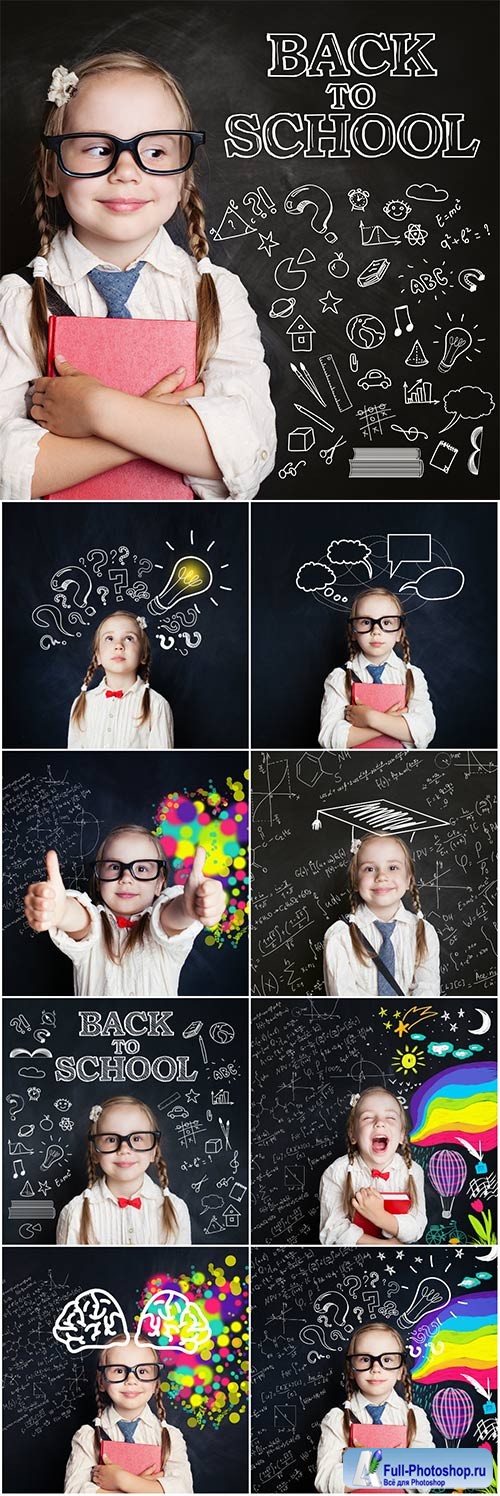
<point>134,1457</point>
<point>378,1436</point>
<point>130,355</point>
<point>380,697</point>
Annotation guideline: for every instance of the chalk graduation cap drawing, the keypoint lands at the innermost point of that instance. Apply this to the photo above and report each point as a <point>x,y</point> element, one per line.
<point>377,818</point>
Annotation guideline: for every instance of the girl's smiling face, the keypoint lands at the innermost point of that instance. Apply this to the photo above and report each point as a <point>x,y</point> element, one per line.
<point>378,1129</point>
<point>378,1383</point>
<point>116,216</point>
<point>130,1397</point>
<point>377,645</point>
<point>127,895</point>
<point>383,876</point>
<point>124,1171</point>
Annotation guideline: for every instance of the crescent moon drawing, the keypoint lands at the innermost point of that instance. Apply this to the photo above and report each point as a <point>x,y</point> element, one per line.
<point>485,1025</point>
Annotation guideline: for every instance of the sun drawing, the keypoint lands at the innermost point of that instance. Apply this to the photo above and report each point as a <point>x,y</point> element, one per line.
<point>408,1059</point>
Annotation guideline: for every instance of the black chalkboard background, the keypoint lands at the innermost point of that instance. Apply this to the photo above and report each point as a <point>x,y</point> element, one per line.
<point>309,1057</point>
<point>300,875</point>
<point>69,803</point>
<point>298,636</point>
<point>209,43</point>
<point>200,669</point>
<point>193,1103</point>
<point>50,1393</point>
<point>305,1305</point>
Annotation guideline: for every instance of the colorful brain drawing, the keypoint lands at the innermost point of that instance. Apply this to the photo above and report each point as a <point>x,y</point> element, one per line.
<point>463,1342</point>
<point>210,1382</point>
<point>457,1103</point>
<point>217,821</point>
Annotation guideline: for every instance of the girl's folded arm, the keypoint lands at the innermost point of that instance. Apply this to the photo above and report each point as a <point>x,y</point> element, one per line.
<point>419,715</point>
<point>62,461</point>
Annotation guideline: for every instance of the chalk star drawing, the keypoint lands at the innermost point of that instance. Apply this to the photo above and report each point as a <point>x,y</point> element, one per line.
<point>192,1096</point>
<point>268,243</point>
<point>330,303</point>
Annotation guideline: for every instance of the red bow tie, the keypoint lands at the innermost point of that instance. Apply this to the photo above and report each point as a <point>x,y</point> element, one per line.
<point>124,923</point>
<point>377,1174</point>
<point>119,694</point>
<point>122,1203</point>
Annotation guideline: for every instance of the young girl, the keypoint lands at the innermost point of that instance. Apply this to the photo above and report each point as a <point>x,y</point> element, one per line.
<point>122,1206</point>
<point>375,1189</point>
<point>122,711</point>
<point>376,626</point>
<point>375,1363</point>
<point>127,1382</point>
<point>133,935</point>
<point>114,164</point>
<point>381,930</point>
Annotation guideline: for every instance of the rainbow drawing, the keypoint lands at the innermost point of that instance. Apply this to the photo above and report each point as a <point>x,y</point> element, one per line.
<point>460,1102</point>
<point>460,1340</point>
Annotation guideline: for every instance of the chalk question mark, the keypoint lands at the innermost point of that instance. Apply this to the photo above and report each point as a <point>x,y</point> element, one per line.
<point>311,196</point>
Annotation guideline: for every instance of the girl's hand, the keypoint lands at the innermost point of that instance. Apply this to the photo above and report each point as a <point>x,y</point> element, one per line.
<point>370,1204</point>
<point>106,1476</point>
<point>65,406</point>
<point>167,391</point>
<point>204,898</point>
<point>358,716</point>
<point>45,903</point>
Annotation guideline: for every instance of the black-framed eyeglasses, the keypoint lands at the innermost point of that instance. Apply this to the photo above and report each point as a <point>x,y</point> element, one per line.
<point>160,152</point>
<point>389,625</point>
<point>111,1142</point>
<point>144,869</point>
<point>146,1371</point>
<point>389,1361</point>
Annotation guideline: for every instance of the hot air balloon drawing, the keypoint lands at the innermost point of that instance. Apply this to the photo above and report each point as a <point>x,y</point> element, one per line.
<point>447,1171</point>
<point>452,1411</point>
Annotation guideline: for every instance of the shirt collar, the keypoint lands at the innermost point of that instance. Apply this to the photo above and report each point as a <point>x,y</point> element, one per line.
<point>360,661</point>
<point>103,686</point>
<point>148,1191</point>
<point>70,261</point>
<point>391,1401</point>
<point>133,917</point>
<point>147,1416</point>
<point>402,915</point>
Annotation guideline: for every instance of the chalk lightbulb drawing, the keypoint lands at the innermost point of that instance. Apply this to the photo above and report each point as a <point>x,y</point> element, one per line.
<point>190,576</point>
<point>432,1293</point>
<point>457,341</point>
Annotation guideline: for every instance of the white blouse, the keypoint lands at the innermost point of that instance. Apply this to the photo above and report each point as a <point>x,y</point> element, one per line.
<point>334,730</point>
<point>149,970</point>
<point>336,1230</point>
<point>329,1473</point>
<point>111,722</point>
<point>117,1226</point>
<point>236,411</point>
<point>345,976</point>
<point>176,1476</point>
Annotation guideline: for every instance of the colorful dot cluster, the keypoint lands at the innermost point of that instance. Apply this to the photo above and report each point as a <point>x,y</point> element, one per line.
<point>217,821</point>
<point>211,1385</point>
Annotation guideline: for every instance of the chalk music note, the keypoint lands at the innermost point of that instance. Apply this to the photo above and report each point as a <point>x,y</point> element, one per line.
<point>405,317</point>
<point>18,1168</point>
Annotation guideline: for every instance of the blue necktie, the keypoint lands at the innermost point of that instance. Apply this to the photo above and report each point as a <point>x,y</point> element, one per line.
<point>115,287</point>
<point>376,673</point>
<point>128,1429</point>
<point>386,953</point>
<point>375,1410</point>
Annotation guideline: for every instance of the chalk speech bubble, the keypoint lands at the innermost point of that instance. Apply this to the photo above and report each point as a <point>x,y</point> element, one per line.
<point>404,550</point>
<point>437,585</point>
<point>467,404</point>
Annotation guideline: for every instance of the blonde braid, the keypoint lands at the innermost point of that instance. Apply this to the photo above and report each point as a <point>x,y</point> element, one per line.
<point>348,1192</point>
<point>86,1216</point>
<point>359,949</point>
<point>209,318</point>
<point>420,932</point>
<point>353,649</point>
<point>410,1183</point>
<point>39,309</point>
<point>410,683</point>
<point>169,1216</point>
<point>411,1420</point>
<point>347,1420</point>
<point>80,707</point>
<point>101,1405</point>
<point>145,716</point>
<point>165,1436</point>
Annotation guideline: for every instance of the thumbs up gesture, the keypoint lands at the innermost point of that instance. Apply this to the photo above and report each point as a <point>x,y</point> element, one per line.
<point>45,903</point>
<point>204,898</point>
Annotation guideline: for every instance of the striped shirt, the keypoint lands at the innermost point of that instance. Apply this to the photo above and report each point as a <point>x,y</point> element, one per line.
<point>117,1226</point>
<point>176,1474</point>
<point>336,1230</point>
<point>149,970</point>
<point>113,723</point>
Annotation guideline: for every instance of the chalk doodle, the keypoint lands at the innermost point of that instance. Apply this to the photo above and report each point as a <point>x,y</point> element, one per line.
<point>436,579</point>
